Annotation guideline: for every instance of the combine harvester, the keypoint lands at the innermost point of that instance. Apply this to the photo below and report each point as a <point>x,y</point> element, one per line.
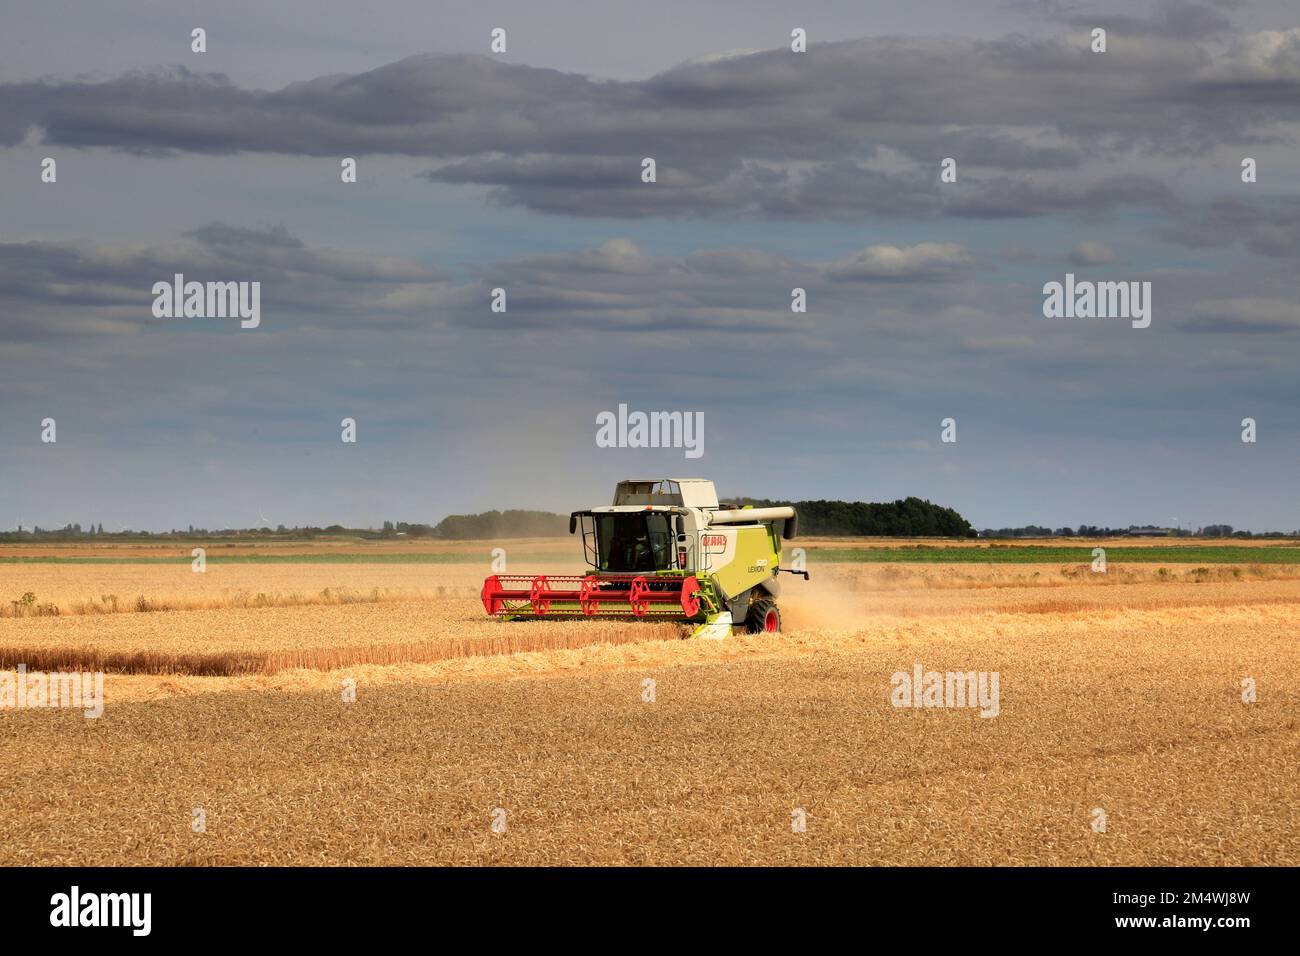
<point>665,550</point>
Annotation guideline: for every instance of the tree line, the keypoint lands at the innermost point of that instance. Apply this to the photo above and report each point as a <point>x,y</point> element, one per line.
<point>904,518</point>
<point>1133,530</point>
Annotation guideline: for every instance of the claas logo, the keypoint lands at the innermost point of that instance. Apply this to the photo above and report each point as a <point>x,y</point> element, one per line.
<point>714,543</point>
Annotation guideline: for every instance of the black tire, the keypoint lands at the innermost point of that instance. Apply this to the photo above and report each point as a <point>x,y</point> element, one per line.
<point>763,617</point>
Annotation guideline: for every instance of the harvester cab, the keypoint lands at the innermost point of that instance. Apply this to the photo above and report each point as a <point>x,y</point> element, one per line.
<point>665,549</point>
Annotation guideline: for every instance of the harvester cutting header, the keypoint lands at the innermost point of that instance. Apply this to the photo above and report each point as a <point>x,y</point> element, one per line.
<point>664,550</point>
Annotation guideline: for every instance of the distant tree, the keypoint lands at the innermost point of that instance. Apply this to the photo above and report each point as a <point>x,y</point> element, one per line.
<point>501,524</point>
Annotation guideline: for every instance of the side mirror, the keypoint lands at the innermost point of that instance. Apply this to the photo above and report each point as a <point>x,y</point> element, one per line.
<point>679,524</point>
<point>573,523</point>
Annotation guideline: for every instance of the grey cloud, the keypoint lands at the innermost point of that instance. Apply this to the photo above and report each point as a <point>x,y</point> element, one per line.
<point>1268,61</point>
<point>62,289</point>
<point>618,286</point>
<point>1091,253</point>
<point>832,191</point>
<point>1268,228</point>
<point>58,289</point>
<point>769,133</point>
<point>221,234</point>
<point>1249,314</point>
<point>739,262</point>
<point>1172,19</point>
<point>933,260</point>
<point>1000,150</point>
<point>1006,198</point>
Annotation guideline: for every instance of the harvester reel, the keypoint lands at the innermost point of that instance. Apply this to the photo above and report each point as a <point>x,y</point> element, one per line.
<point>540,596</point>
<point>589,595</point>
<point>691,596</point>
<point>638,596</point>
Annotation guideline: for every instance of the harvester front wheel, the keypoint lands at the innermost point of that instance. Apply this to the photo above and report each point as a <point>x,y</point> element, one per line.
<point>763,618</point>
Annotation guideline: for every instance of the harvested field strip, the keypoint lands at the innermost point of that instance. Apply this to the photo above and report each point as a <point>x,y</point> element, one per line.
<point>216,557</point>
<point>915,635</point>
<point>104,588</point>
<point>131,662</point>
<point>115,590</point>
<point>971,577</point>
<point>231,663</point>
<point>1185,602</point>
<point>145,604</point>
<point>881,582</point>
<point>659,642</point>
<point>1017,554</point>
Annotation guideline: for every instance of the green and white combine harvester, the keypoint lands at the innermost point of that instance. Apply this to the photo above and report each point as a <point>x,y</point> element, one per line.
<point>665,550</point>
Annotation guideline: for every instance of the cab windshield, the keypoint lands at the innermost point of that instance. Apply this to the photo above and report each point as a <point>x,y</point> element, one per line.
<point>640,541</point>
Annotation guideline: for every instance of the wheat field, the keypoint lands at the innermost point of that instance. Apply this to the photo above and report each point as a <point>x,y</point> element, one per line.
<point>1119,692</point>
